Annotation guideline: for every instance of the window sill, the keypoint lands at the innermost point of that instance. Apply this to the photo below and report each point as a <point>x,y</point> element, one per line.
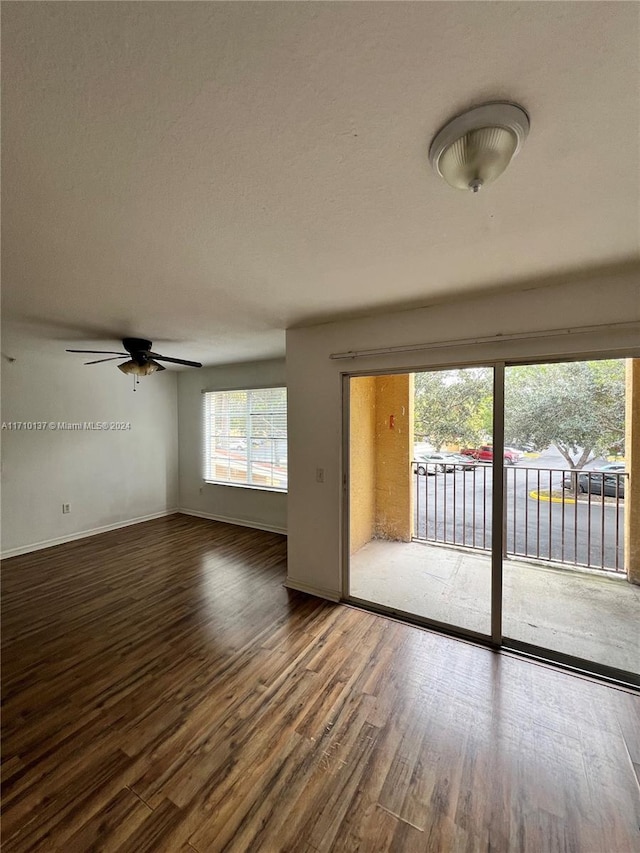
<point>246,486</point>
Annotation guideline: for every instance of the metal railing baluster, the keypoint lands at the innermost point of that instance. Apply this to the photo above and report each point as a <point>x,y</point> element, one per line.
<point>602,522</point>
<point>484,507</point>
<point>550,511</point>
<point>526,514</point>
<point>454,502</point>
<point>538,517</point>
<point>464,507</point>
<point>562,528</point>
<point>617,545</point>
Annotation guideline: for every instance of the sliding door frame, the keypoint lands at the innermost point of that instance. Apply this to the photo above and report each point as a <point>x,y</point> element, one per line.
<point>496,639</point>
<point>491,638</point>
<point>497,504</point>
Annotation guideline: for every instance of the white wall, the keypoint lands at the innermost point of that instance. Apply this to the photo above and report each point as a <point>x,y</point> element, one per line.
<point>108,477</point>
<point>314,386</point>
<point>252,507</point>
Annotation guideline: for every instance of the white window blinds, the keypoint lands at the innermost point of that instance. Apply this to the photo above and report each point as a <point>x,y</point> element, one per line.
<point>245,437</point>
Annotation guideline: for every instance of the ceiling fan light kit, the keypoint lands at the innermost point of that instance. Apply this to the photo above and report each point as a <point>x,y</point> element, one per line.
<point>130,367</point>
<point>475,147</point>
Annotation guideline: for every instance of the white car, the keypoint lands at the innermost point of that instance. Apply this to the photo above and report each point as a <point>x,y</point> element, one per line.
<point>429,463</point>
<point>516,454</point>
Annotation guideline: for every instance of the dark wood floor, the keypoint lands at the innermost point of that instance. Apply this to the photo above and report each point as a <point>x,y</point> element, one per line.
<point>164,692</point>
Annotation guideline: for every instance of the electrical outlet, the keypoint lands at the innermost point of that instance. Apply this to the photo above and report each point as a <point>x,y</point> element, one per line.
<point>319,475</point>
<point>66,508</point>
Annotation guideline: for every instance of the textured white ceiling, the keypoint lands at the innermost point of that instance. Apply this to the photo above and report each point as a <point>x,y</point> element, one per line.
<point>208,174</point>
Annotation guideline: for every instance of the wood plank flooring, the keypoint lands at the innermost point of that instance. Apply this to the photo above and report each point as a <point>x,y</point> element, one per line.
<point>164,692</point>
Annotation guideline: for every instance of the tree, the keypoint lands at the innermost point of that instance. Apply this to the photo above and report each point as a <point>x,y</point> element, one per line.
<point>454,406</point>
<point>577,406</point>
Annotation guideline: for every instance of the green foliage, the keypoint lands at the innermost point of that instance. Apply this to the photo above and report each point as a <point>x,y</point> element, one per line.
<point>578,406</point>
<point>454,406</point>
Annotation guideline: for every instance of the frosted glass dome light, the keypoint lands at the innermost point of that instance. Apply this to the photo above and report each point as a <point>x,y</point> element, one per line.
<point>144,369</point>
<point>475,148</point>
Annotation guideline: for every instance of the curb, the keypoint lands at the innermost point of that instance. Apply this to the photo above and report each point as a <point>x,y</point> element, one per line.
<point>538,497</point>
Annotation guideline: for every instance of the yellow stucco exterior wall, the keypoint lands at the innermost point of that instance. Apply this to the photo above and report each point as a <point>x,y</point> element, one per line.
<point>362,465</point>
<point>394,451</point>
<point>381,449</point>
<point>632,458</point>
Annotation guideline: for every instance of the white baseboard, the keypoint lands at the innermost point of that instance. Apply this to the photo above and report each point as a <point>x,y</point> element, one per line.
<point>320,592</point>
<point>83,534</point>
<point>242,522</point>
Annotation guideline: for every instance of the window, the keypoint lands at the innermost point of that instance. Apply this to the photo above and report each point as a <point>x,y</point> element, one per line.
<point>245,437</point>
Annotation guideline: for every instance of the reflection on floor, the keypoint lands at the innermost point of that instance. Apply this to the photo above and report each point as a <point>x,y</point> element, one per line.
<point>574,612</point>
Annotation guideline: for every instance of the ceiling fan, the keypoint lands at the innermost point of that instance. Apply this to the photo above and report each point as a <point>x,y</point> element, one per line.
<point>142,361</point>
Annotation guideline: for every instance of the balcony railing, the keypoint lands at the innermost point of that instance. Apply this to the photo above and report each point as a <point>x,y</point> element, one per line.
<point>552,514</point>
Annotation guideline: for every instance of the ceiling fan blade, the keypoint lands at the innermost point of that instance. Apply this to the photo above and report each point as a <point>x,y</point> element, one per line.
<point>113,358</point>
<point>98,352</point>
<point>174,360</point>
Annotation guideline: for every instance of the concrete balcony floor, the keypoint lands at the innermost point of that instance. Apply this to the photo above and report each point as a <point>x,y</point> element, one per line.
<point>574,612</point>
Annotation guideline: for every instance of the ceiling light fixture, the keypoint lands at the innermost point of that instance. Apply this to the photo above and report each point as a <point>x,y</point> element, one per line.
<point>144,369</point>
<point>475,148</point>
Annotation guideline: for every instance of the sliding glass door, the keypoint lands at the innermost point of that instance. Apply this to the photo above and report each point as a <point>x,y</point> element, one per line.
<point>490,501</point>
<point>565,585</point>
<point>421,495</point>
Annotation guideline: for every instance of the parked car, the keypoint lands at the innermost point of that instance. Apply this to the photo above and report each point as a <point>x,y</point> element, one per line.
<point>485,454</point>
<point>593,482</point>
<point>613,467</point>
<point>429,463</point>
<point>515,453</point>
<point>462,463</point>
